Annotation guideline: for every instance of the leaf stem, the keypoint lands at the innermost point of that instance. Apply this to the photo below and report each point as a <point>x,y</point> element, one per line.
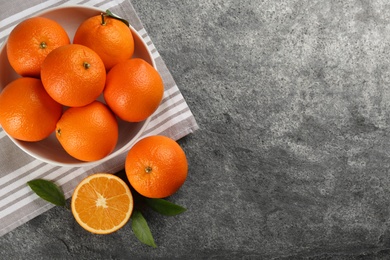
<point>110,14</point>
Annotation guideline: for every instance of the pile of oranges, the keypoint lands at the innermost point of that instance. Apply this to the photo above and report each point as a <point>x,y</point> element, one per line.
<point>62,84</point>
<point>59,90</point>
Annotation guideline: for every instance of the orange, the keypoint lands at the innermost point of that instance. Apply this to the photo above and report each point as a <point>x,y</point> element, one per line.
<point>27,112</point>
<point>73,75</point>
<point>31,41</point>
<point>108,37</point>
<point>88,133</point>
<point>156,166</point>
<point>102,203</point>
<point>134,90</point>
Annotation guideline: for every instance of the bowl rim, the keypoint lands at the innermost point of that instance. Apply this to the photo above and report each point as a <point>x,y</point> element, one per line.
<point>112,154</point>
<point>86,163</point>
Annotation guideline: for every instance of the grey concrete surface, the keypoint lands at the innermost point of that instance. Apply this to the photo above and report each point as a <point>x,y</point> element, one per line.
<point>292,157</point>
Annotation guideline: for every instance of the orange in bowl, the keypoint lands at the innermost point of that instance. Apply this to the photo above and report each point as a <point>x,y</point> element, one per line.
<point>73,75</point>
<point>88,133</point>
<point>110,38</point>
<point>27,112</point>
<point>134,90</point>
<point>31,41</point>
<point>49,149</point>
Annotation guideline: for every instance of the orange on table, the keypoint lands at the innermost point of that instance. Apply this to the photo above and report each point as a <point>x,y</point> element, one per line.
<point>102,203</point>
<point>31,41</point>
<point>73,75</point>
<point>156,166</point>
<point>27,112</point>
<point>110,38</point>
<point>88,133</point>
<point>134,90</point>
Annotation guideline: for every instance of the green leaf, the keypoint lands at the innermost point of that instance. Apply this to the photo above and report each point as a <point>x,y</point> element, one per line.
<point>141,229</point>
<point>48,191</point>
<point>164,207</point>
<point>109,14</point>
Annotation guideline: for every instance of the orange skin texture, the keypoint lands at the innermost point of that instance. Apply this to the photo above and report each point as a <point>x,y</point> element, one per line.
<point>27,112</point>
<point>66,78</point>
<point>24,50</point>
<point>156,166</point>
<point>134,90</point>
<point>112,41</point>
<point>88,133</point>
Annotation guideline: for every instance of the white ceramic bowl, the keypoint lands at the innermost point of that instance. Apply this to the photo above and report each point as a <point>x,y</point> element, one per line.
<point>49,150</point>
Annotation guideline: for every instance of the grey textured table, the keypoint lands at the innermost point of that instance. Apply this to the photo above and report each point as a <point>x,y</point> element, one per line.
<point>292,157</point>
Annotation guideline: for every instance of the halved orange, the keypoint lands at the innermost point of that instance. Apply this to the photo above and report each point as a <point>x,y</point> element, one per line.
<point>102,203</point>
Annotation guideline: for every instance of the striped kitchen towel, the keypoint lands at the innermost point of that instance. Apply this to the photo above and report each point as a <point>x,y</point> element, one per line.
<point>18,203</point>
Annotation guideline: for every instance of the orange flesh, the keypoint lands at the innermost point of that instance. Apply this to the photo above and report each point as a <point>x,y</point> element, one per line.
<point>102,204</point>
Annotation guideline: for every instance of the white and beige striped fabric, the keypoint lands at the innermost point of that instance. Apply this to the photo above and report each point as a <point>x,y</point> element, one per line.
<point>18,203</point>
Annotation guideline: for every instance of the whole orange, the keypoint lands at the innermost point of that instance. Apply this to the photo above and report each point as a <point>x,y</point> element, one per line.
<point>156,166</point>
<point>73,75</point>
<point>31,41</point>
<point>27,112</point>
<point>134,90</point>
<point>108,37</point>
<point>88,133</point>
